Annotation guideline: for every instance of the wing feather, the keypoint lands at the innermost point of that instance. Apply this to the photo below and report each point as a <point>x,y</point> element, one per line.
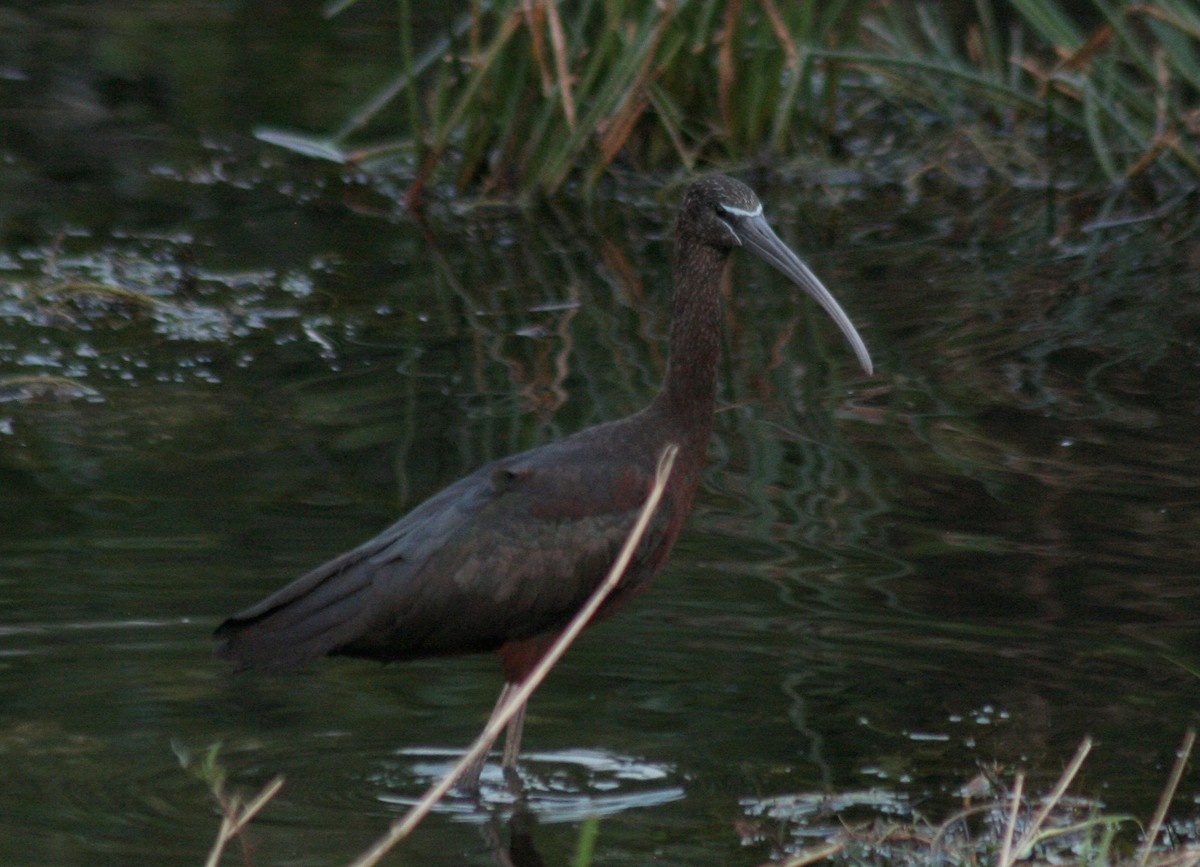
<point>506,553</point>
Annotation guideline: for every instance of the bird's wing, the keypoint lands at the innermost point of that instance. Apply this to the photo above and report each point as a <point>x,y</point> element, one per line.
<point>505,553</point>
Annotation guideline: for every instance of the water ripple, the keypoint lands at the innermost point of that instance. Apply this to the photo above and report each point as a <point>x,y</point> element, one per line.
<point>559,786</point>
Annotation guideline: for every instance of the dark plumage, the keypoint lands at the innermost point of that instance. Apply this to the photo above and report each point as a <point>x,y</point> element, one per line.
<point>501,559</point>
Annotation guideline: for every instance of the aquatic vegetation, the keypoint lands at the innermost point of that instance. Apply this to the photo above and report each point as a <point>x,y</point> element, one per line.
<point>524,95</point>
<point>999,824</point>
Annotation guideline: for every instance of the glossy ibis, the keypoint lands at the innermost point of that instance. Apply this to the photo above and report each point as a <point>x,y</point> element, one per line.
<point>501,559</point>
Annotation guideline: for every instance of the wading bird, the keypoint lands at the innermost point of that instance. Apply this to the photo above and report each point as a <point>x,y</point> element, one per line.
<point>501,559</point>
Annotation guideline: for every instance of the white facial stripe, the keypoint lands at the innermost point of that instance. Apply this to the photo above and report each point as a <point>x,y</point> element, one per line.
<point>742,212</point>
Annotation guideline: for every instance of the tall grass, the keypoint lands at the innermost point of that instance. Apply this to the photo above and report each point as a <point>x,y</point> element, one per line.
<point>523,95</point>
<point>1129,81</point>
<point>526,93</point>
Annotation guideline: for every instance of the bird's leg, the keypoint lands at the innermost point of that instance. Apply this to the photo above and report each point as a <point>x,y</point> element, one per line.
<point>512,747</point>
<point>468,780</point>
<point>512,735</point>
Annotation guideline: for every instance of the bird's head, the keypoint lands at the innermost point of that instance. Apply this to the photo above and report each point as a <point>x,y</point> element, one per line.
<point>724,213</point>
<point>714,208</point>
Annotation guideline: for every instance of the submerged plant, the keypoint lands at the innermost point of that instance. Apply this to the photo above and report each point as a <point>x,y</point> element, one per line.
<point>236,812</point>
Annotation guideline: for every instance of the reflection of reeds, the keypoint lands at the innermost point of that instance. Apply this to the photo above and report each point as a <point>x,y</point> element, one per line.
<point>523,325</point>
<point>527,93</point>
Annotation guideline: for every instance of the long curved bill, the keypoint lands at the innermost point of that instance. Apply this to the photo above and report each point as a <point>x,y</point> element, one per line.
<point>756,235</point>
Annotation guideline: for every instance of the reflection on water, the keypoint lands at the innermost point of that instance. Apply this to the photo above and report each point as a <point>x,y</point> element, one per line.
<point>566,786</point>
<point>980,554</point>
<point>806,819</point>
<point>236,370</point>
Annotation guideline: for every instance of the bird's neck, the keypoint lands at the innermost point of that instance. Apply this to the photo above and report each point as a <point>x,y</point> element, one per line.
<point>689,391</point>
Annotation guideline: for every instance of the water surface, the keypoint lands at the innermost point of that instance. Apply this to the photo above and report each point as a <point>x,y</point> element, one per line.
<point>243,364</point>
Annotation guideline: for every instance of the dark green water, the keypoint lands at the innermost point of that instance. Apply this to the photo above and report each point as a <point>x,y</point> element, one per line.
<point>982,553</point>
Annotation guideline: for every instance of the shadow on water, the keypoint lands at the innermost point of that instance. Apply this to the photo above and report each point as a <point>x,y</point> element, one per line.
<point>238,368</point>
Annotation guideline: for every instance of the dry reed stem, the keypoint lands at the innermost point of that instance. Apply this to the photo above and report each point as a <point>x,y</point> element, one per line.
<point>558,41</point>
<point>1081,57</point>
<point>1049,803</point>
<point>403,826</point>
<point>811,855</point>
<point>1168,794</point>
<point>1013,810</point>
<point>726,74</point>
<point>535,17</point>
<point>234,818</point>
<point>617,127</point>
<point>780,28</point>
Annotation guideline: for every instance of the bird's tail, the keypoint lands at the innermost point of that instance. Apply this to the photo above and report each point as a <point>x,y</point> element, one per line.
<point>315,615</point>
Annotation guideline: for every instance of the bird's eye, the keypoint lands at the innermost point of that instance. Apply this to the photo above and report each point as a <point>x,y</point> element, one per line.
<point>722,212</point>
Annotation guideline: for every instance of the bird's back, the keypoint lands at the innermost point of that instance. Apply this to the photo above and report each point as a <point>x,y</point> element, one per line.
<point>506,553</point>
